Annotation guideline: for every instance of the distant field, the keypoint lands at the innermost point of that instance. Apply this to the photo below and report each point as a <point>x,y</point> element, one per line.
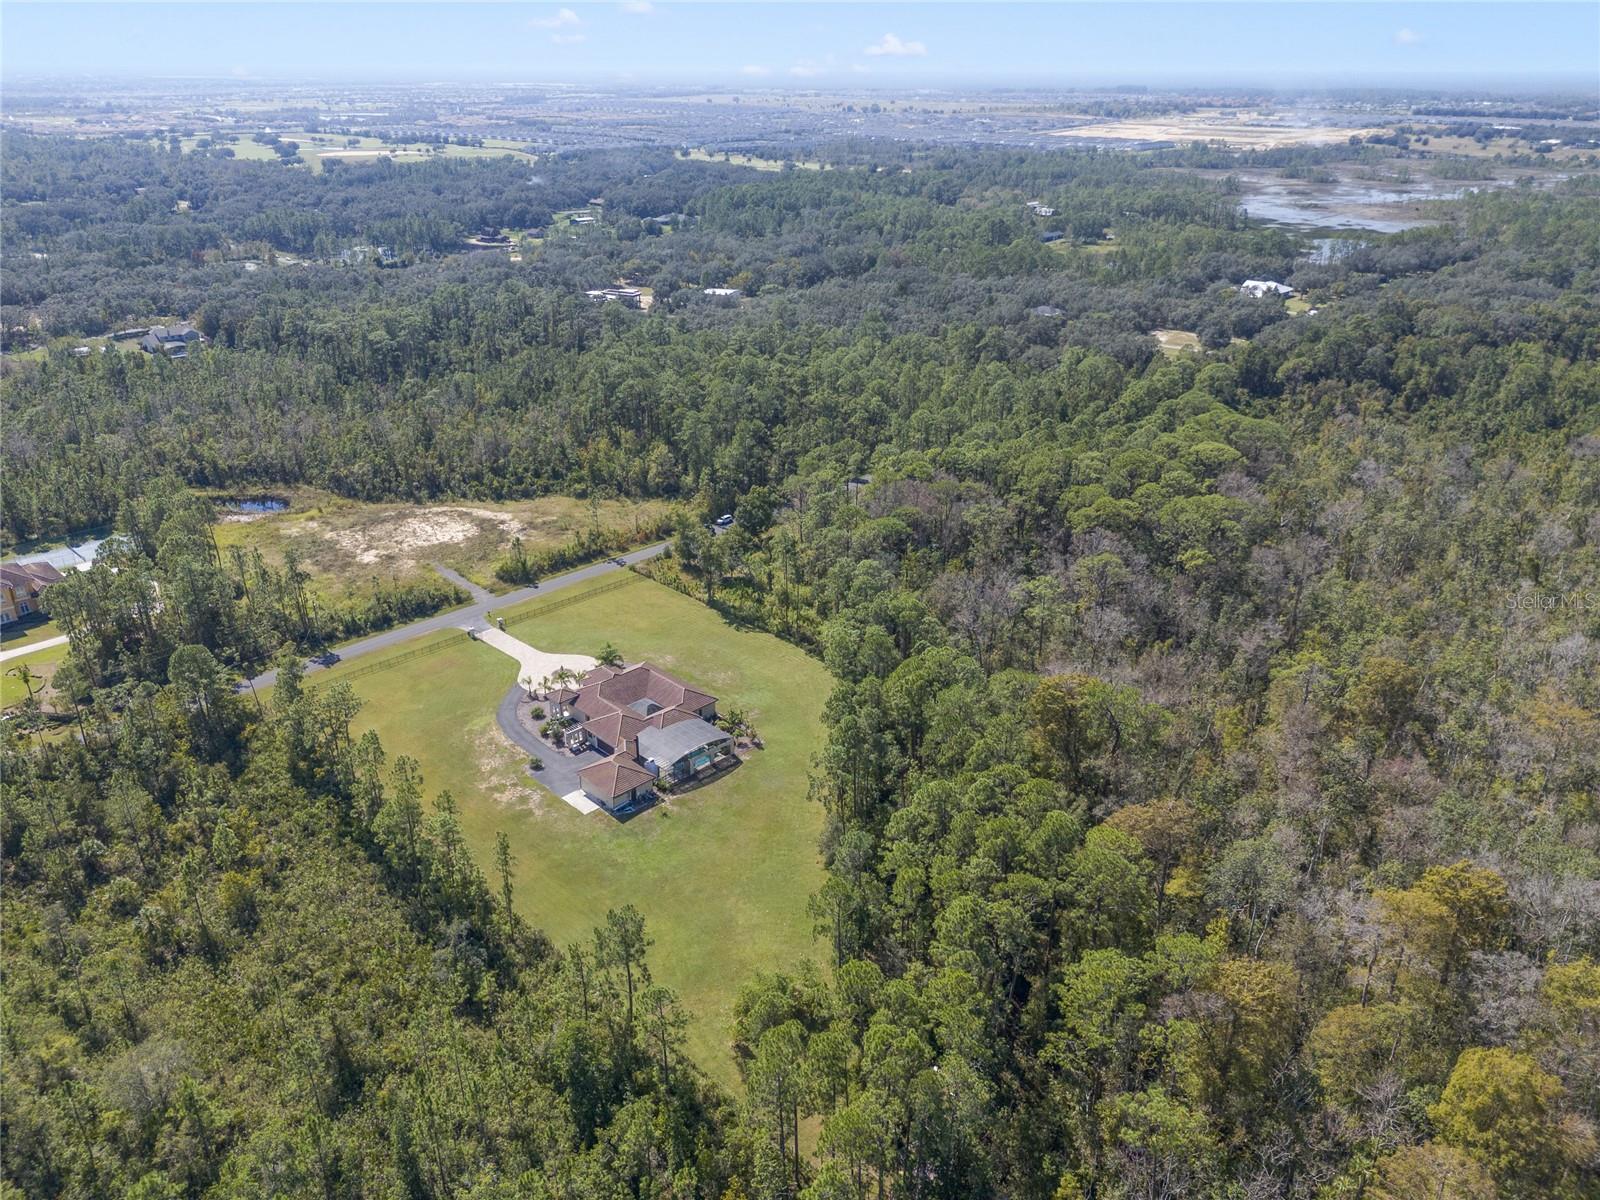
<point>1471,148</point>
<point>38,353</point>
<point>722,874</point>
<point>1242,133</point>
<point>316,148</point>
<point>747,160</point>
<point>345,543</point>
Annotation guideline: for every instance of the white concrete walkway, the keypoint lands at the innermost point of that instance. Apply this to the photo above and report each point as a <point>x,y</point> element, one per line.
<point>34,648</point>
<point>535,665</point>
<point>581,802</point>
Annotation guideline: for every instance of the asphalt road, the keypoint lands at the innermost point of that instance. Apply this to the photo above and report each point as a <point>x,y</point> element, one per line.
<point>465,617</point>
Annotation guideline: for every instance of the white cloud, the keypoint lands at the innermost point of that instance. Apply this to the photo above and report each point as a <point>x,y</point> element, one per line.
<point>755,69</point>
<point>894,47</point>
<point>641,8</point>
<point>564,18</point>
<point>805,70</point>
<point>1407,37</point>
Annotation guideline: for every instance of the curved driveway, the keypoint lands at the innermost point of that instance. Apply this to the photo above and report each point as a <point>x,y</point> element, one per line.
<point>467,616</point>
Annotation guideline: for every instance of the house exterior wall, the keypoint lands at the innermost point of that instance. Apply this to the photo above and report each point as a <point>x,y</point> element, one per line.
<point>627,797</point>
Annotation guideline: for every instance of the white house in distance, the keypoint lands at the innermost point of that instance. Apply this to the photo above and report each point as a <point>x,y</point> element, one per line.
<point>1265,287</point>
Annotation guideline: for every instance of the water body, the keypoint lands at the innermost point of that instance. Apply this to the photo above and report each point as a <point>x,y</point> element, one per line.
<point>1345,203</point>
<point>257,504</point>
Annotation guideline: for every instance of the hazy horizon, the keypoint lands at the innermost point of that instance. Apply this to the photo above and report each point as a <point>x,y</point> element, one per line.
<point>814,46</point>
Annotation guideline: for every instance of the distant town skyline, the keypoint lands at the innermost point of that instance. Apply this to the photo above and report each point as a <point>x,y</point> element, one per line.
<point>817,45</point>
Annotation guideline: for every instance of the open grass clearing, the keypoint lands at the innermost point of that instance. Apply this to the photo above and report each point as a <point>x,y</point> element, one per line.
<point>345,544</point>
<point>1176,341</point>
<point>41,665</point>
<point>318,148</point>
<point>722,873</point>
<point>701,154</point>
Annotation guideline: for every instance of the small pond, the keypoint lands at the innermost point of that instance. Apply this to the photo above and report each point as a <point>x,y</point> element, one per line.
<point>253,504</point>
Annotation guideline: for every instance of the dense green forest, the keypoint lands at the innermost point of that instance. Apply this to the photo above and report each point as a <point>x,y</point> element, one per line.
<point>1212,775</point>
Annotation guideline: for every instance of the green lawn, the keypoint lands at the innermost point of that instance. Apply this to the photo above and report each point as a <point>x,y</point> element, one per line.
<point>15,636</point>
<point>41,665</point>
<point>722,874</point>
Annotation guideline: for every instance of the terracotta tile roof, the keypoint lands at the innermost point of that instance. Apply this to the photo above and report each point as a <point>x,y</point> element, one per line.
<point>606,689</point>
<point>30,576</point>
<point>613,777</point>
<point>612,727</point>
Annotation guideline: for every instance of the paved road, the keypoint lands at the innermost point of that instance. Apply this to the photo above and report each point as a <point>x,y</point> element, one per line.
<point>467,616</point>
<point>478,594</point>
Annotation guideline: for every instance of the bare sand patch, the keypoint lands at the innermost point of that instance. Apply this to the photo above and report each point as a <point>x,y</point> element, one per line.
<point>404,536</point>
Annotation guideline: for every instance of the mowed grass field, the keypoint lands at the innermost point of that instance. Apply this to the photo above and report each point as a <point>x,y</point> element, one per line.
<point>722,874</point>
<point>41,665</point>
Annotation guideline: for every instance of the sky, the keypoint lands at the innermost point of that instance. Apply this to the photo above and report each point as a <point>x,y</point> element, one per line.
<point>815,45</point>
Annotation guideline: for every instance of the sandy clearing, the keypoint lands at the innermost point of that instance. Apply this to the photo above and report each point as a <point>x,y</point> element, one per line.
<point>534,664</point>
<point>409,534</point>
<point>1174,340</point>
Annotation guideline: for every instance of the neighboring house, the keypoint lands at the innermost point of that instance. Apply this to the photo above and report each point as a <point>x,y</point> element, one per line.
<point>21,585</point>
<point>172,340</point>
<point>724,293</point>
<point>629,297</point>
<point>1265,287</point>
<point>648,724</point>
<point>1046,310</point>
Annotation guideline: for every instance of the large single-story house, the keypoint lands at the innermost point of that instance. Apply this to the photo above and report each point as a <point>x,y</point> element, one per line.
<point>631,297</point>
<point>649,725</point>
<point>171,340</point>
<point>21,585</point>
<point>1265,287</point>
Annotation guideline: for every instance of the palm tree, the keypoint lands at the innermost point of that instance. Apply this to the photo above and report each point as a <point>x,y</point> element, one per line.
<point>609,656</point>
<point>30,707</point>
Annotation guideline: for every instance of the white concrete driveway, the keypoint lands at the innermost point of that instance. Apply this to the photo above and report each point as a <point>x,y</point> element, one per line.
<point>534,665</point>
